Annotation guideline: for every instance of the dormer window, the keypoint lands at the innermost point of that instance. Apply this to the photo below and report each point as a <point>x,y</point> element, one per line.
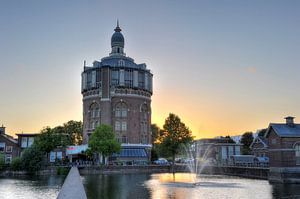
<point>121,62</point>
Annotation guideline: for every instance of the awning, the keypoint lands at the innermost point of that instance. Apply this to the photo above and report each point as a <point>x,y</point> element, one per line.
<point>129,153</point>
<point>72,150</point>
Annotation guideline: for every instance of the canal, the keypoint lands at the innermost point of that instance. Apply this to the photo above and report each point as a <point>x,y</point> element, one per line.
<point>156,186</point>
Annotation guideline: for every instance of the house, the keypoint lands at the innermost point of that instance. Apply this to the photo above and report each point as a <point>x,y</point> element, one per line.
<point>8,146</point>
<point>25,140</point>
<point>284,151</point>
<point>259,147</point>
<point>217,149</point>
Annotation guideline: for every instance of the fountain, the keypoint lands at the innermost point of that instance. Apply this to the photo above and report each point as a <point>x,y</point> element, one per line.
<point>196,159</point>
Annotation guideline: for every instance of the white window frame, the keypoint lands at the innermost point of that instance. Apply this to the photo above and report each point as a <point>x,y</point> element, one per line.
<point>24,142</point>
<point>30,141</point>
<point>117,126</point>
<point>8,156</point>
<point>124,112</point>
<point>9,149</point>
<point>124,126</point>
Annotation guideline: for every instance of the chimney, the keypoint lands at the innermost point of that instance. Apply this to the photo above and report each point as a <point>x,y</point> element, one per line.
<point>289,121</point>
<point>2,130</point>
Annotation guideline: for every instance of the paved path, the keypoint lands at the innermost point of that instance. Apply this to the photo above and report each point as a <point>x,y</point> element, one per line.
<point>72,187</point>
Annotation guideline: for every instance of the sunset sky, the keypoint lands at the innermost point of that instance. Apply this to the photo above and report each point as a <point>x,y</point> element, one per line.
<point>225,67</point>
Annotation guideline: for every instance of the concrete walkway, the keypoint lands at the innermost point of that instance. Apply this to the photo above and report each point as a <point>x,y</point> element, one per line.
<point>72,187</point>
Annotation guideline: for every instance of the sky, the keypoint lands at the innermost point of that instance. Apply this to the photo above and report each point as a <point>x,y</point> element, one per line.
<point>224,67</point>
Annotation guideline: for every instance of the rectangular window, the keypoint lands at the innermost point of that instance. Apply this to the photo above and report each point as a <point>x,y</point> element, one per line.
<point>24,142</point>
<point>2,146</point>
<point>93,78</point>
<point>118,113</point>
<point>114,77</point>
<point>117,126</point>
<point>124,126</point>
<point>30,141</point>
<point>89,80</point>
<point>230,151</point>
<point>84,81</point>
<point>146,82</point>
<point>52,156</point>
<point>8,158</point>
<point>59,155</point>
<point>224,152</point>
<point>9,149</point>
<point>237,150</point>
<point>129,78</point>
<point>121,78</point>
<point>141,80</point>
<point>97,112</point>
<point>124,112</point>
<point>135,78</point>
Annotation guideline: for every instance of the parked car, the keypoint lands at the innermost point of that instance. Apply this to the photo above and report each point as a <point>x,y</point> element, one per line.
<point>161,161</point>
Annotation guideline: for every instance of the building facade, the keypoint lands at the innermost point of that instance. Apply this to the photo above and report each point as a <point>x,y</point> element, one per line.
<point>117,91</point>
<point>259,147</point>
<point>25,140</point>
<point>284,151</point>
<point>8,146</point>
<point>217,149</point>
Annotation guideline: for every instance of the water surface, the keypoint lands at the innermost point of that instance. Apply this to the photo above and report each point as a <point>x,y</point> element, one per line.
<point>30,187</point>
<point>149,186</point>
<point>181,186</point>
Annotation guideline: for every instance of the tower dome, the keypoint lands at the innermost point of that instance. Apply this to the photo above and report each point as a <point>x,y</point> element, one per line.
<point>117,39</point>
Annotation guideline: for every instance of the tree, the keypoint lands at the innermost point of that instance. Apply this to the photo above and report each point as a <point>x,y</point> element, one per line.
<point>2,161</point>
<point>155,133</point>
<point>246,140</point>
<point>103,141</point>
<point>32,159</point>
<point>229,139</point>
<point>174,135</point>
<point>16,164</point>
<point>50,139</point>
<point>74,130</point>
<point>262,132</point>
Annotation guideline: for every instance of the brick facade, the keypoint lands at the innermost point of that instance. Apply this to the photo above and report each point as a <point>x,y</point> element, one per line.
<point>282,150</point>
<point>117,91</point>
<point>9,147</point>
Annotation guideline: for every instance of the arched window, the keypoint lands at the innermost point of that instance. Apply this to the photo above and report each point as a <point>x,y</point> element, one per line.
<point>144,112</point>
<point>297,153</point>
<point>121,110</point>
<point>144,123</point>
<point>94,115</point>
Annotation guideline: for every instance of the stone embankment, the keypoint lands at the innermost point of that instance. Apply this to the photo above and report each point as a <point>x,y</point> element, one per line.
<point>72,187</point>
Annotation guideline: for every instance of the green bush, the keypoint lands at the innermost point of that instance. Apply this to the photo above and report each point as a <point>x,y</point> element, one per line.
<point>2,162</point>
<point>32,159</point>
<point>16,164</point>
<point>62,170</point>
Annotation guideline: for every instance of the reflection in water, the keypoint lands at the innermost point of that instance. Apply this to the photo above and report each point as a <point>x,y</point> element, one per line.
<point>116,186</point>
<point>181,186</point>
<point>30,187</point>
<point>286,190</point>
<point>154,186</point>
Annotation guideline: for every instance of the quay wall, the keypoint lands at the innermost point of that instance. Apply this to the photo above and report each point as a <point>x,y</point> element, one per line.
<point>246,172</point>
